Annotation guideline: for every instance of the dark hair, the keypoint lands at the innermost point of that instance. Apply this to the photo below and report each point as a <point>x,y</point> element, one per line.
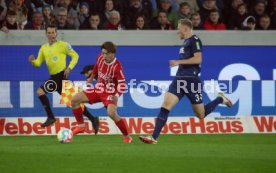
<point>184,4</point>
<point>51,25</point>
<point>264,16</point>
<point>145,21</point>
<point>195,14</point>
<point>214,11</point>
<point>11,13</point>
<point>109,46</point>
<point>242,4</point>
<point>162,11</point>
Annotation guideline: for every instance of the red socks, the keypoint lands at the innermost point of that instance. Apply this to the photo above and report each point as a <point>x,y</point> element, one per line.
<point>78,115</point>
<point>122,126</point>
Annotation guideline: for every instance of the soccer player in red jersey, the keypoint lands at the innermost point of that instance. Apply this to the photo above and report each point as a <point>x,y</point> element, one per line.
<point>110,85</point>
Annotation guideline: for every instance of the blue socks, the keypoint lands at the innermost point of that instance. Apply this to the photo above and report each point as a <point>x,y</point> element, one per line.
<point>164,113</point>
<point>212,105</point>
<point>160,122</point>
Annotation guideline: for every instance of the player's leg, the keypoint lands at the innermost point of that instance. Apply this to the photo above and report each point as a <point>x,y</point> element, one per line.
<point>199,110</point>
<point>169,102</point>
<point>195,96</point>
<point>112,113</point>
<point>221,99</point>
<point>172,97</point>
<point>94,120</point>
<point>78,111</point>
<point>202,111</point>
<point>41,92</point>
<point>54,83</point>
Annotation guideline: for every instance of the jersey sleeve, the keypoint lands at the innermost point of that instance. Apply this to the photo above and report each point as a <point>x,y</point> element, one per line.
<point>40,58</point>
<point>73,54</point>
<point>120,77</point>
<point>196,45</point>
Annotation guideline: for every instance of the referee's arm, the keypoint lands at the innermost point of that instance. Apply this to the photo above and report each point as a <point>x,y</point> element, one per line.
<point>74,58</point>
<point>39,60</point>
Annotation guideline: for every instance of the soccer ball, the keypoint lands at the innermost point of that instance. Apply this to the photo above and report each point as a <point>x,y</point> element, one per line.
<point>65,135</point>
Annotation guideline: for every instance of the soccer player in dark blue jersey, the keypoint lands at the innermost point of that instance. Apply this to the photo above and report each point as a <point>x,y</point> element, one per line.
<point>186,83</point>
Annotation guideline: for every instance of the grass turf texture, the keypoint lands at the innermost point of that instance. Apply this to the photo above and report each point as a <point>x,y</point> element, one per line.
<point>174,153</point>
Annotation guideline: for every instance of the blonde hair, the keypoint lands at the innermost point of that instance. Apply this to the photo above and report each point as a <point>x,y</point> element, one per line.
<point>186,22</point>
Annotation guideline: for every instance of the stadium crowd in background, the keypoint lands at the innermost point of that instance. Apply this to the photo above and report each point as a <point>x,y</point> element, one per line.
<point>137,14</point>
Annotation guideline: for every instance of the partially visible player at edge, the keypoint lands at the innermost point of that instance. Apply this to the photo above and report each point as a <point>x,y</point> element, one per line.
<point>190,58</point>
<point>110,85</point>
<point>54,54</point>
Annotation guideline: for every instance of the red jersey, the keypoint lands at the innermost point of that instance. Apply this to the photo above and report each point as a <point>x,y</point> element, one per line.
<point>110,74</point>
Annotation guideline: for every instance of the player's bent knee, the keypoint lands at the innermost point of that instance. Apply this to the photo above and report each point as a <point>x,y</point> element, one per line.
<point>76,101</point>
<point>167,105</point>
<point>200,116</point>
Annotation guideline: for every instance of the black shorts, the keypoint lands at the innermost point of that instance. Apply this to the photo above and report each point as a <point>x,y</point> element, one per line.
<point>54,83</point>
<point>189,86</point>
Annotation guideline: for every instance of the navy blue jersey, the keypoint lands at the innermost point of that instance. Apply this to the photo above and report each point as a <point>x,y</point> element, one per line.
<point>189,47</point>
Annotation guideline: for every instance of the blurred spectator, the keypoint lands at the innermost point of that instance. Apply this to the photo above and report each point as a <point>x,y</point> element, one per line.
<point>206,8</point>
<point>272,6</point>
<point>108,9</point>
<point>157,4</point>
<point>47,14</point>
<point>37,22</point>
<point>193,4</point>
<point>214,22</point>
<point>72,11</point>
<point>140,23</point>
<point>21,11</point>
<point>161,22</point>
<point>235,21</point>
<point>252,3</point>
<point>273,14</point>
<point>136,8</point>
<point>95,6</point>
<point>84,12</point>
<point>114,21</point>
<point>2,14</point>
<point>92,23</point>
<point>249,23</point>
<point>166,5</point>
<point>62,20</point>
<point>219,4</point>
<point>3,10</point>
<point>264,23</point>
<point>184,11</point>
<point>259,9</point>
<point>37,5</point>
<point>10,22</point>
<point>196,21</point>
<point>231,8</point>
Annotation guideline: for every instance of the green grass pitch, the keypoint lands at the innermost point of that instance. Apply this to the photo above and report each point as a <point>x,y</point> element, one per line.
<point>107,153</point>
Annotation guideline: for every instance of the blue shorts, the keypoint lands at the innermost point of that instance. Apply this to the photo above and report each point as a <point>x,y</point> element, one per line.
<point>189,86</point>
